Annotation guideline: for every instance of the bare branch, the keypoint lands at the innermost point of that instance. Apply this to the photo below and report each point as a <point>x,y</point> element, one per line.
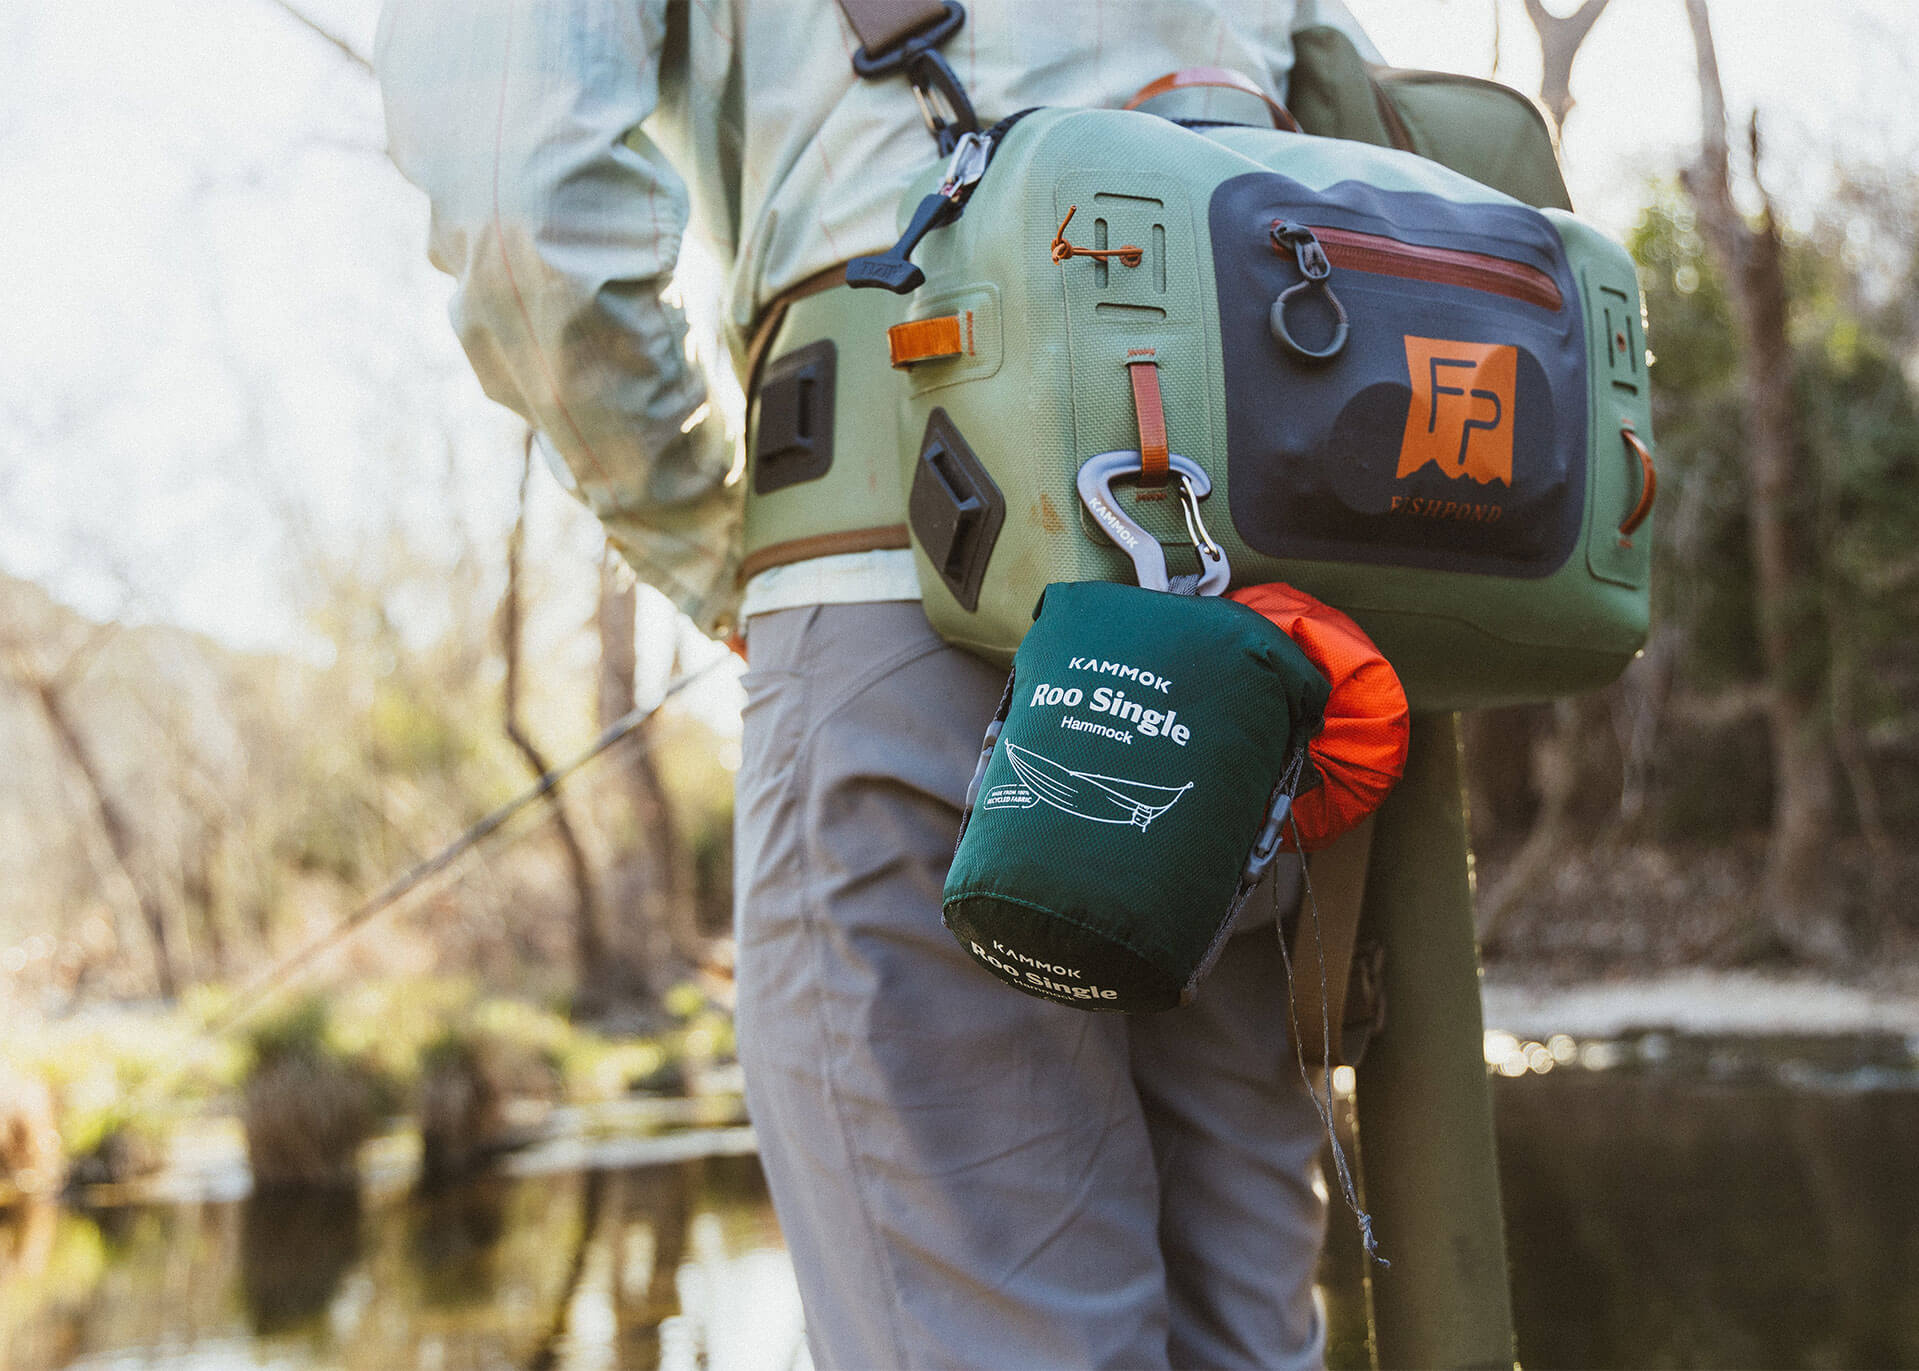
<point>1784,561</point>
<point>57,712</point>
<point>1559,40</point>
<point>589,938</point>
<point>1712,95</point>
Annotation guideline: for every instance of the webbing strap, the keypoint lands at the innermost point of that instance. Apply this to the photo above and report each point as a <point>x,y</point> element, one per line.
<point>881,24</point>
<point>1222,77</point>
<point>929,340</point>
<point>883,537</point>
<point>1153,464</point>
<point>1328,928</point>
<point>774,314</point>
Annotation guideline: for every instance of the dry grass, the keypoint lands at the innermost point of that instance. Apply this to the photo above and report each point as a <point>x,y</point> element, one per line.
<point>306,1116</point>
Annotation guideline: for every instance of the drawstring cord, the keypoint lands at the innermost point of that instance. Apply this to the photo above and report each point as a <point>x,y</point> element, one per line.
<point>1129,255</point>
<point>1324,1108</point>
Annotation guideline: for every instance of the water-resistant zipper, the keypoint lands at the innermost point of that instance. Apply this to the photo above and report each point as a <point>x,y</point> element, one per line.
<point>1378,255</point>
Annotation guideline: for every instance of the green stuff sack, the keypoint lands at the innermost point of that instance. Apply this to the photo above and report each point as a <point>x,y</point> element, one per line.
<point>1130,793</point>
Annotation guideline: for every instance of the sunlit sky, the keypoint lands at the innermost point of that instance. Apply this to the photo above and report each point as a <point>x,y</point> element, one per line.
<point>217,304</point>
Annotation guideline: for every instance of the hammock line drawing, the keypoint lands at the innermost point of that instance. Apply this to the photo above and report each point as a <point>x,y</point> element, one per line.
<point>1103,799</point>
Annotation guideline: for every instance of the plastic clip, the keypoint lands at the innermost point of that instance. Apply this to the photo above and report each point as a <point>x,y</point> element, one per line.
<point>934,82</point>
<point>1271,833</point>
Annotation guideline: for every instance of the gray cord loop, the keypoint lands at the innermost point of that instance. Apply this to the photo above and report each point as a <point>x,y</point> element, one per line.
<point>1284,333</point>
<point>1317,269</point>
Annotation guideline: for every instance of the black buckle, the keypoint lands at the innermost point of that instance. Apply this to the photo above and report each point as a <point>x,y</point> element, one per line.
<point>930,75</point>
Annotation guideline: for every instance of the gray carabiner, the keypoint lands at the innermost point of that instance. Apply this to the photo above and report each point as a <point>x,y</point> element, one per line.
<point>1095,485</point>
<point>1214,570</point>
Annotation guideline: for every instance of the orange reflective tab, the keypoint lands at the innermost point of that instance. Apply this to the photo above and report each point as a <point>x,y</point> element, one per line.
<point>1153,465</point>
<point>929,340</point>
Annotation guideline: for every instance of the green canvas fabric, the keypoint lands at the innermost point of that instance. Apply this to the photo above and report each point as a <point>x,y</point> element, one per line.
<point>1481,129</point>
<point>1143,737</point>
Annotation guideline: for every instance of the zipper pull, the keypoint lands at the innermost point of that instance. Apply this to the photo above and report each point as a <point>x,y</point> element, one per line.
<point>966,166</point>
<point>1315,267</point>
<point>891,270</point>
<point>1305,247</point>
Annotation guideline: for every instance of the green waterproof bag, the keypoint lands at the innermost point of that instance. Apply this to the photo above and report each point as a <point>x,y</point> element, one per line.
<point>1130,793</point>
<point>1409,394</point>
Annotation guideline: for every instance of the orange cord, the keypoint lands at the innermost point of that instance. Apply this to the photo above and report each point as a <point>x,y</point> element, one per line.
<point>1128,255</point>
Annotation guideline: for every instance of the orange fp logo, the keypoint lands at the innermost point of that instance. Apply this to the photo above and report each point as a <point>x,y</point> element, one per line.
<point>1461,416</point>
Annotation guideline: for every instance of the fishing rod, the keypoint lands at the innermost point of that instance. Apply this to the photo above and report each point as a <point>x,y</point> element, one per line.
<point>261,988</point>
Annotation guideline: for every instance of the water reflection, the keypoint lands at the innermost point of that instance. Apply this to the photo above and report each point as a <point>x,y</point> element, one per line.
<point>664,1266</point>
<point>1668,1201</point>
<point>453,1242</point>
<point>1765,1215</point>
<point>296,1245</point>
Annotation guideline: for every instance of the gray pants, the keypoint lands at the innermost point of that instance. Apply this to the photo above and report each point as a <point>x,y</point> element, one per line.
<point>968,1176</point>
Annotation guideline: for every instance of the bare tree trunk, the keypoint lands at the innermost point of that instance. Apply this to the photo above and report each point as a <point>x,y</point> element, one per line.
<point>661,896</point>
<point>1559,40</point>
<point>595,981</point>
<point>1555,751</point>
<point>49,693</point>
<point>1799,898</point>
<point>1556,770</point>
<point>200,891</point>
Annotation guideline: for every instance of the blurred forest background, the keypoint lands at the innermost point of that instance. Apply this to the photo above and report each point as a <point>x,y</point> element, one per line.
<point>410,639</point>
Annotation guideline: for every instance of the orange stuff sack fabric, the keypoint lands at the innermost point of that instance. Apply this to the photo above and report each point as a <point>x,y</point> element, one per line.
<point>1361,752</point>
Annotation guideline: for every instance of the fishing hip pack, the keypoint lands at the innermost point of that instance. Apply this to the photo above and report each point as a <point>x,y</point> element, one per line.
<point>1411,396</point>
<point>1130,793</point>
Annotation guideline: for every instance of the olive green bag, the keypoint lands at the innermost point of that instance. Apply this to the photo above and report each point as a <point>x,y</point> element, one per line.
<point>1405,392</point>
<point>1478,128</point>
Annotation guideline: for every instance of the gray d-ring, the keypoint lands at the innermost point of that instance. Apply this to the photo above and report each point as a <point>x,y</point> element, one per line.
<point>1095,485</point>
<point>1277,322</point>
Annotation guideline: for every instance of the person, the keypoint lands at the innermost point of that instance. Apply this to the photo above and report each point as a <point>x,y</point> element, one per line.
<point>965,1176</point>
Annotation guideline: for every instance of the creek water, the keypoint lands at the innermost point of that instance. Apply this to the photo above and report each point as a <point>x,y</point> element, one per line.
<point>1669,1202</point>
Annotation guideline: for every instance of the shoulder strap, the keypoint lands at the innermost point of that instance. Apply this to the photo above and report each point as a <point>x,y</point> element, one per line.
<point>1219,77</point>
<point>904,36</point>
<point>1327,927</point>
<point>882,24</point>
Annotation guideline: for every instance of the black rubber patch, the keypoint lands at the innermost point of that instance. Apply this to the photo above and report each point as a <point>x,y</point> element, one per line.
<point>1449,432</point>
<point>955,509</point>
<point>793,437</point>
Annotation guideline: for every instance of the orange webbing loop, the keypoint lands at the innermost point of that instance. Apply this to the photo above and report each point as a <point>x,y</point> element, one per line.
<point>1648,485</point>
<point>929,340</point>
<point>1153,464</point>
